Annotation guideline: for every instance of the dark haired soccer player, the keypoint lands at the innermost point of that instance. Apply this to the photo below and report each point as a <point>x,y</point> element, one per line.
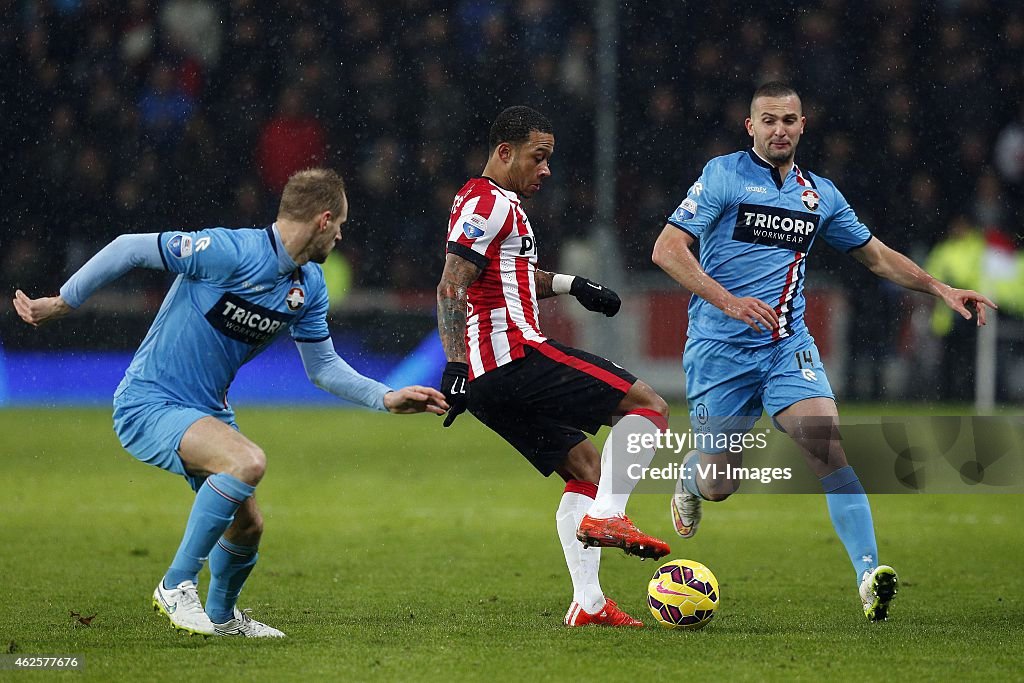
<point>756,214</point>
<point>236,291</point>
<point>539,395</point>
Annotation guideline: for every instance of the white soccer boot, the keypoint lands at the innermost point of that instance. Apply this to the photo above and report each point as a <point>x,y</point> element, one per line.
<point>686,512</point>
<point>182,606</point>
<point>877,589</point>
<point>245,626</point>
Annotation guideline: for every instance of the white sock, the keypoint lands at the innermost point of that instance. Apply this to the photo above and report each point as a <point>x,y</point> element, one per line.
<point>622,450</point>
<point>583,563</point>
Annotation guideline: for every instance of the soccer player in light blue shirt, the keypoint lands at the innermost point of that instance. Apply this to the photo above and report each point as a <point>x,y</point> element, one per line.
<point>236,291</point>
<point>757,214</point>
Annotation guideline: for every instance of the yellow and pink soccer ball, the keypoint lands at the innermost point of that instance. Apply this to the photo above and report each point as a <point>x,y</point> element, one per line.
<point>683,594</point>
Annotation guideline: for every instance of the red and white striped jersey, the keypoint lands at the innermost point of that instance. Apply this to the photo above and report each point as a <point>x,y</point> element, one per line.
<point>489,228</point>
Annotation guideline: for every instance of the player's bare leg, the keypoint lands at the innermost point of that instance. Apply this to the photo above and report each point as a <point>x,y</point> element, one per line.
<point>814,425</point>
<point>212,447</point>
<point>643,414</point>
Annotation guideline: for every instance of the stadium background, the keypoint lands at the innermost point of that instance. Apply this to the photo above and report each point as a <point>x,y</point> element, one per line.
<point>400,551</point>
<point>142,116</point>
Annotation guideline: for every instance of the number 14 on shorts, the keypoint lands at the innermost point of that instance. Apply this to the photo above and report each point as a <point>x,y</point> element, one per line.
<point>805,361</point>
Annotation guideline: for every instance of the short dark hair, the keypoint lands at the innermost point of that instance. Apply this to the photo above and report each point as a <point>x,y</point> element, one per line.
<point>774,89</point>
<point>311,192</point>
<point>515,124</point>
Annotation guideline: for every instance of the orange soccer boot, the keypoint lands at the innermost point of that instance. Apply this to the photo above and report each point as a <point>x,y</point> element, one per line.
<point>619,532</point>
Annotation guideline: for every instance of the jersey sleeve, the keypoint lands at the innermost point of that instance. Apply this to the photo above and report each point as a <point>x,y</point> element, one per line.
<point>476,234</point>
<point>111,262</point>
<point>210,254</point>
<point>312,325</point>
<point>843,230</point>
<point>331,373</point>
<point>704,202</point>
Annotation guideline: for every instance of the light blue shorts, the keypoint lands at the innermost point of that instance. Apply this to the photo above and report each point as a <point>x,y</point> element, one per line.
<point>728,386</point>
<point>151,430</point>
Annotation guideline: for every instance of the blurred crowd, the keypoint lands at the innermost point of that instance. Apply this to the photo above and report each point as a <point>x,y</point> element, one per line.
<point>147,116</point>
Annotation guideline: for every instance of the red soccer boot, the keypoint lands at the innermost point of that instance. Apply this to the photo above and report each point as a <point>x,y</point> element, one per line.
<point>619,532</point>
<point>609,615</point>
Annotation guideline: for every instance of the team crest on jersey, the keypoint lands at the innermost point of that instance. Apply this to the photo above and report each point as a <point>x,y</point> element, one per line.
<point>810,199</point>
<point>295,299</point>
<point>474,226</point>
<point>180,246</point>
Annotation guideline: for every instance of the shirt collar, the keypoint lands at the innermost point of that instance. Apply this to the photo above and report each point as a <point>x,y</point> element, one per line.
<point>285,264</point>
<point>761,161</point>
<point>512,196</point>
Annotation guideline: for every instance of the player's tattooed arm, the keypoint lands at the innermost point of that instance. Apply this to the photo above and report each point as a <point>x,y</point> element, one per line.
<point>543,282</point>
<point>458,275</point>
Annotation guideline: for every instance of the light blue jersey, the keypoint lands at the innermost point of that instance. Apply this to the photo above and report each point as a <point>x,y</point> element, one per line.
<point>236,292</point>
<point>755,229</point>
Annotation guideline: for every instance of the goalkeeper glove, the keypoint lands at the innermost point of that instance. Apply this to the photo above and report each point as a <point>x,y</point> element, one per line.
<point>455,386</point>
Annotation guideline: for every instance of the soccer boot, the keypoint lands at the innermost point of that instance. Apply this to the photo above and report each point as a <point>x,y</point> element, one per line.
<point>619,532</point>
<point>182,606</point>
<point>877,589</point>
<point>245,626</point>
<point>686,512</point>
<point>609,615</point>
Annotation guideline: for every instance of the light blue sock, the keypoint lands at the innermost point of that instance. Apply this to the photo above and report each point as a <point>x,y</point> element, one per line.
<point>851,516</point>
<point>214,508</point>
<point>690,463</point>
<point>230,565</point>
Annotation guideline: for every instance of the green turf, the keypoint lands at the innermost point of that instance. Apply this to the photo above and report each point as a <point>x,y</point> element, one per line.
<point>400,551</point>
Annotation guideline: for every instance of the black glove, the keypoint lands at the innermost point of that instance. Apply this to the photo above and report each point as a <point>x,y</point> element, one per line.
<point>595,297</point>
<point>455,386</point>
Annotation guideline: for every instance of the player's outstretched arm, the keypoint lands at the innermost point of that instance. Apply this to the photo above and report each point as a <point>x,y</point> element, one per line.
<point>895,267</point>
<point>592,296</point>
<point>121,255</point>
<point>452,297</point>
<point>672,254</point>
<point>328,371</point>
<point>111,262</point>
<point>42,310</point>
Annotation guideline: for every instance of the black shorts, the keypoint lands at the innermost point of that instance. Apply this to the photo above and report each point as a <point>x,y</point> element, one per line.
<point>542,403</point>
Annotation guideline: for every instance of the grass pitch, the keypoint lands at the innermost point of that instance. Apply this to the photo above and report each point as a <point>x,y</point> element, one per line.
<point>395,550</point>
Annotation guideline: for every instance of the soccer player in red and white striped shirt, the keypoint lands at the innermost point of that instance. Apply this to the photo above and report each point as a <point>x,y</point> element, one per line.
<point>539,395</point>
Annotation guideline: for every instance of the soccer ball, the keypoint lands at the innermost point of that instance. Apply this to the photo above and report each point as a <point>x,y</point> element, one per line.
<point>683,594</point>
